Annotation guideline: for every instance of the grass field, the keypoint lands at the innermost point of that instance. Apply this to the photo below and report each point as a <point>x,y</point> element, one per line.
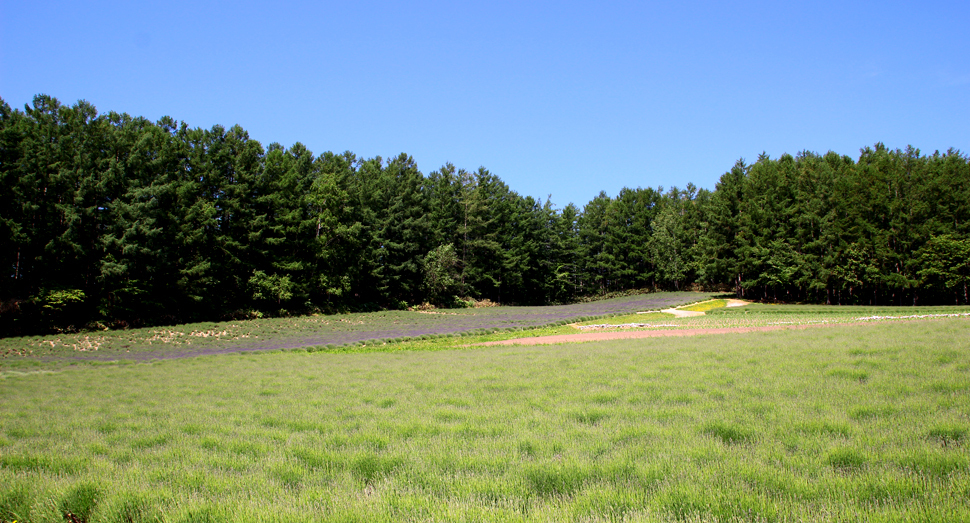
<point>849,423</point>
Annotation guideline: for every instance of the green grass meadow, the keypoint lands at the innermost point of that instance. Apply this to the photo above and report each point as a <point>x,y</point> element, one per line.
<point>845,423</point>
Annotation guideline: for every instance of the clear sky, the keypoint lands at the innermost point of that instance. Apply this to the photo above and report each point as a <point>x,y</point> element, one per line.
<point>561,98</point>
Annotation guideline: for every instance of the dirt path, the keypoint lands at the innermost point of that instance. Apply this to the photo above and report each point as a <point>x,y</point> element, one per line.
<point>624,335</point>
<point>683,314</point>
<point>678,313</point>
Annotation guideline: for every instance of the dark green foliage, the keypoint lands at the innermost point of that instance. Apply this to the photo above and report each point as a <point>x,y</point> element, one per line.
<point>944,263</point>
<point>441,273</point>
<point>887,229</point>
<point>672,244</point>
<point>113,220</point>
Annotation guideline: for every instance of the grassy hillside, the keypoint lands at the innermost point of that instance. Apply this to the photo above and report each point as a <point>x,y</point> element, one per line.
<point>316,333</point>
<point>847,423</point>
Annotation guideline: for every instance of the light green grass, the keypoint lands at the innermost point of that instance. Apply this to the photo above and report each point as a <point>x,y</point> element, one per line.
<point>705,306</point>
<point>630,318</point>
<point>862,423</point>
<point>761,315</point>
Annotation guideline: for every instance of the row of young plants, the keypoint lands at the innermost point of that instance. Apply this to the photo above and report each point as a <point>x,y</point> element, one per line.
<point>368,332</point>
<point>343,332</point>
<point>108,219</point>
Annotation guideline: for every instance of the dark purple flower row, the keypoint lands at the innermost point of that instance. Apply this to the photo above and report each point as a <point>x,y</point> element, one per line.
<point>401,324</point>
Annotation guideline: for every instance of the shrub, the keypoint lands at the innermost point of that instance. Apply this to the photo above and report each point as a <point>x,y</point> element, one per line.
<point>422,307</point>
<point>483,303</point>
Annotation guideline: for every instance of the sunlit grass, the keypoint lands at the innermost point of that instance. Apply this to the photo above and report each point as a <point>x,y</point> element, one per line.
<point>630,318</point>
<point>705,306</point>
<point>861,423</point>
<point>759,315</point>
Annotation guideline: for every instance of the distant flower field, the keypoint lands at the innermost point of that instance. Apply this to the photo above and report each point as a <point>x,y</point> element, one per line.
<point>323,332</point>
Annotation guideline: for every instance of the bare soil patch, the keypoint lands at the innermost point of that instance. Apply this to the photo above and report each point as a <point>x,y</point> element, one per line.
<point>683,314</point>
<point>625,335</point>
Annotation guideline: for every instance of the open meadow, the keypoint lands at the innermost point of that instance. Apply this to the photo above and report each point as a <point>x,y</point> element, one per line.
<point>847,423</point>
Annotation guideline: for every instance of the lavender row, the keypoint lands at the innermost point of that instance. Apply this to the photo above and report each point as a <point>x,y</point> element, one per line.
<point>410,325</point>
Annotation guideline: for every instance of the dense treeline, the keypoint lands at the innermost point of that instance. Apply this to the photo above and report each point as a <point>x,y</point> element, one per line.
<point>120,220</point>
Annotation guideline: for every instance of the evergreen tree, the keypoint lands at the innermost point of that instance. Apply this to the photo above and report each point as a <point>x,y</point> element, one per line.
<point>404,230</point>
<point>597,263</point>
<point>113,218</point>
<point>564,254</point>
<point>718,246</point>
<point>337,229</point>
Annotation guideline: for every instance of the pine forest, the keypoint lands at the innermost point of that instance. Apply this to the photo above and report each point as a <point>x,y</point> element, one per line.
<point>111,220</point>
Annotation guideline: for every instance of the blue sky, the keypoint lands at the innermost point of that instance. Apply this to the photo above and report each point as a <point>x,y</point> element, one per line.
<point>561,98</point>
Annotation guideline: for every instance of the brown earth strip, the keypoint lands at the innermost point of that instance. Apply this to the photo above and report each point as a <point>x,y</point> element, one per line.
<point>624,335</point>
